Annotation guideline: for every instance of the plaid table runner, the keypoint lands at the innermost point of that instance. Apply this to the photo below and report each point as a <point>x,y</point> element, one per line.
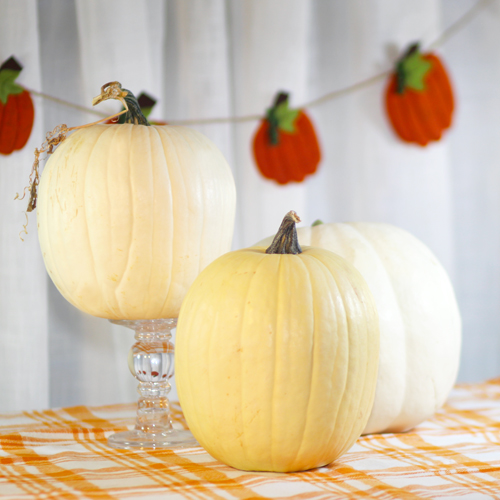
<point>62,454</point>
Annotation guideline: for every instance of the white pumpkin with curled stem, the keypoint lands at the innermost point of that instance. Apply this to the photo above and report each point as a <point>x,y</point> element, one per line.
<point>129,214</point>
<point>420,326</point>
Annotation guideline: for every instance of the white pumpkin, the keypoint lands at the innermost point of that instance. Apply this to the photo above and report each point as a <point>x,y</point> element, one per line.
<point>128,216</point>
<point>420,326</point>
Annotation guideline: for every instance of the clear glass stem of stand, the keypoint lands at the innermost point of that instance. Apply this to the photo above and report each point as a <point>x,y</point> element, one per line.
<point>151,361</point>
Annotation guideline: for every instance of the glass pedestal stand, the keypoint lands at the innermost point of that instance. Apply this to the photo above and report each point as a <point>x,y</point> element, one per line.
<point>151,361</point>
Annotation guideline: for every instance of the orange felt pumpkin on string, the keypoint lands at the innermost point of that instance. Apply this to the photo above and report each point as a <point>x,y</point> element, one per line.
<point>419,97</point>
<point>285,145</point>
<point>16,109</point>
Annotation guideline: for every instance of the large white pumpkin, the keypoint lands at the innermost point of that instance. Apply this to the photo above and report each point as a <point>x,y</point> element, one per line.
<point>420,326</point>
<point>128,216</point>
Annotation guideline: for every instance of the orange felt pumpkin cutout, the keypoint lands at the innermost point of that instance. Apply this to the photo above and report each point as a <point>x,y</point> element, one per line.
<point>419,97</point>
<point>285,145</point>
<point>16,109</point>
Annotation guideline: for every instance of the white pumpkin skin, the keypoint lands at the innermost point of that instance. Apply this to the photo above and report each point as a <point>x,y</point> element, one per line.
<point>128,215</point>
<point>254,347</point>
<point>420,326</point>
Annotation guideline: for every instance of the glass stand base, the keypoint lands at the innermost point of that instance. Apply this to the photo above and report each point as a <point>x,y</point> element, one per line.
<point>137,439</point>
<point>151,361</point>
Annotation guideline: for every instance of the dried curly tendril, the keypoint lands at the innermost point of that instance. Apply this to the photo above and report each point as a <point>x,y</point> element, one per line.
<point>112,90</point>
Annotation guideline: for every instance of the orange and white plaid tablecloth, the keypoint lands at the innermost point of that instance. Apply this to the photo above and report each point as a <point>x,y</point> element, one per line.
<point>62,454</point>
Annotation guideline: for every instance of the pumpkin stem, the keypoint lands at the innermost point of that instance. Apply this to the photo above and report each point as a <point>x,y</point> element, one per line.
<point>114,90</point>
<point>317,222</point>
<point>286,240</point>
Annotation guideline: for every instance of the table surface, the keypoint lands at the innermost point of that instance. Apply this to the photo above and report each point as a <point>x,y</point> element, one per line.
<point>62,454</point>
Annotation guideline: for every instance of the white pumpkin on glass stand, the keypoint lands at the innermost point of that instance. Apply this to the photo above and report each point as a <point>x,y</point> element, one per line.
<point>128,215</point>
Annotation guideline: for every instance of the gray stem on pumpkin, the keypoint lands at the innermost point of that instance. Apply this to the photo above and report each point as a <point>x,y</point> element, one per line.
<point>286,240</point>
<point>134,113</point>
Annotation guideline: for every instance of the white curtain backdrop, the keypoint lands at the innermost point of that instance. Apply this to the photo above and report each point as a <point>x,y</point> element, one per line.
<point>217,58</point>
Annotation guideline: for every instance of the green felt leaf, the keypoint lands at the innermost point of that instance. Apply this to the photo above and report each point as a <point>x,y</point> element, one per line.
<point>317,222</point>
<point>286,117</point>
<point>414,68</point>
<point>8,85</point>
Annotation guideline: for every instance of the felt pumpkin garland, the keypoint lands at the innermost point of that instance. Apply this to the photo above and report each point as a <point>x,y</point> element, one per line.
<point>285,145</point>
<point>16,109</point>
<point>419,98</point>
